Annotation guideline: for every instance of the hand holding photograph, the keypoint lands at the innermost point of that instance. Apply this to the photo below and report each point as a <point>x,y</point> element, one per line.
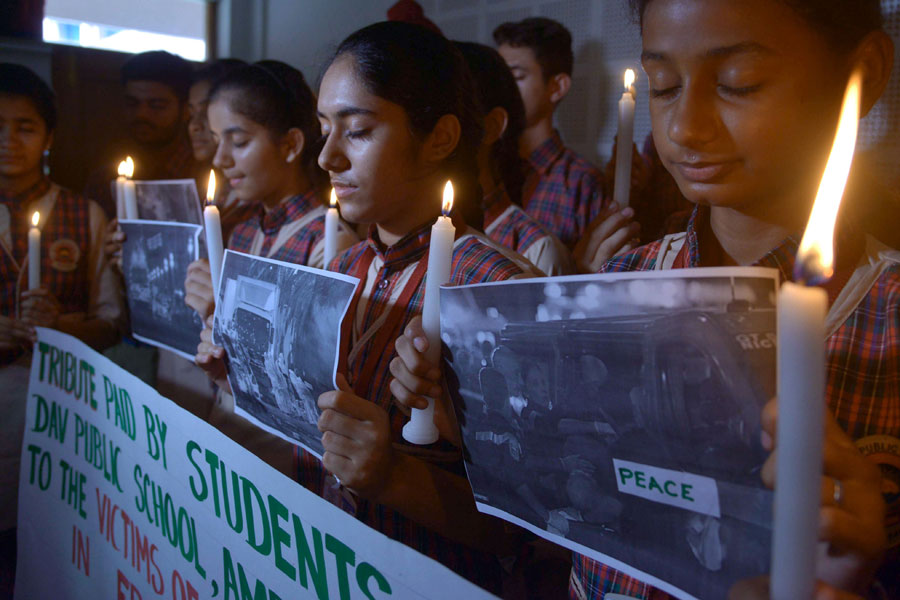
<point>619,415</point>
<point>280,325</point>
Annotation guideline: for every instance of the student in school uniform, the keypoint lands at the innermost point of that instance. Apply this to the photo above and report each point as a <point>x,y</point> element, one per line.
<point>263,117</point>
<point>78,293</point>
<point>398,114</point>
<point>203,143</point>
<point>500,169</point>
<point>562,191</point>
<point>176,377</point>
<point>744,98</point>
<point>155,106</point>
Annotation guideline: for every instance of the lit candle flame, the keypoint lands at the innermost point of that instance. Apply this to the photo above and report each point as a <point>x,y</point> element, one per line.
<point>447,206</point>
<point>629,79</point>
<point>333,201</point>
<point>211,187</point>
<point>35,218</point>
<point>126,167</point>
<point>815,258</point>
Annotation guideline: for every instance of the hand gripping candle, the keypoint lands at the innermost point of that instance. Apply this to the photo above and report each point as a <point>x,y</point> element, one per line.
<point>126,196</point>
<point>213,224</point>
<point>801,374</point>
<point>624,141</point>
<point>331,229</point>
<point>421,428</point>
<point>34,252</point>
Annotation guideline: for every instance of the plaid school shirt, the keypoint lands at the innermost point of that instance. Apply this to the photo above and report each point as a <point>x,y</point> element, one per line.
<point>511,227</point>
<point>293,231</point>
<point>392,292</point>
<point>862,385</point>
<point>563,192</point>
<point>73,266</point>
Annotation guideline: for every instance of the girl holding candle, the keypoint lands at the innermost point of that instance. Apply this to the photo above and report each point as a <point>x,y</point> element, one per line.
<point>743,100</point>
<point>263,117</point>
<point>76,292</point>
<point>203,143</point>
<point>397,110</point>
<point>500,169</point>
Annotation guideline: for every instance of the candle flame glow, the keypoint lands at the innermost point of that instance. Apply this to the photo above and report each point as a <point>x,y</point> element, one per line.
<point>333,200</point>
<point>126,167</point>
<point>211,187</point>
<point>815,257</point>
<point>35,218</point>
<point>629,79</point>
<point>447,205</point>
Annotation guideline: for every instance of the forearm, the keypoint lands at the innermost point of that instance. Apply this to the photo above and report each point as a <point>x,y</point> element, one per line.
<point>442,502</point>
<point>97,333</point>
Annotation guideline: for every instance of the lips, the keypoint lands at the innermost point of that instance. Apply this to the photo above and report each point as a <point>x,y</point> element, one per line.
<point>705,171</point>
<point>342,189</point>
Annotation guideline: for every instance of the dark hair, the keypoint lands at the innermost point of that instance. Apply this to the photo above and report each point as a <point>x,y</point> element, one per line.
<point>843,23</point>
<point>496,87</point>
<point>16,80</point>
<point>550,41</point>
<point>276,96</point>
<point>161,67</point>
<point>426,75</point>
<point>213,72</point>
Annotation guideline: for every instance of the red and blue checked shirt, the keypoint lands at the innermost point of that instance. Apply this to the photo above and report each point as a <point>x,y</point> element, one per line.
<point>563,192</point>
<point>511,227</point>
<point>863,370</point>
<point>298,248</point>
<point>393,279</point>
<point>68,280</point>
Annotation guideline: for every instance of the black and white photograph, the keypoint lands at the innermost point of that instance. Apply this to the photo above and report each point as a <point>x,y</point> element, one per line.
<point>280,325</point>
<point>173,200</point>
<point>155,259</point>
<point>619,415</point>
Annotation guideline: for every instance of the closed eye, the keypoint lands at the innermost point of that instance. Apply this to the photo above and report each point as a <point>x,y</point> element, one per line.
<point>739,91</point>
<point>665,93</point>
<point>358,134</point>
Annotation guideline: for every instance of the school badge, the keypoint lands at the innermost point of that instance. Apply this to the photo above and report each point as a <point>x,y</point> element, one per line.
<point>64,255</point>
<point>884,451</point>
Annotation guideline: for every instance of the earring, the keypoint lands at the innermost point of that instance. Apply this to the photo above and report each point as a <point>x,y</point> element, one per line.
<point>45,162</point>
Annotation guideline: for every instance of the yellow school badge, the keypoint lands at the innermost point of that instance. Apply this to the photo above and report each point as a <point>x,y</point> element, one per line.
<point>884,451</point>
<point>64,255</point>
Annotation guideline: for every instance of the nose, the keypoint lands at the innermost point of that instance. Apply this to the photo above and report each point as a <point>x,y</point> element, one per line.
<point>222,159</point>
<point>694,120</point>
<point>196,124</point>
<point>332,158</point>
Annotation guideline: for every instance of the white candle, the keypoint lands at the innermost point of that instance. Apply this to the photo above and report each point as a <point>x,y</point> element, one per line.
<point>34,253</point>
<point>120,194</point>
<point>127,200</point>
<point>421,428</point>
<point>801,429</point>
<point>801,376</point>
<point>331,229</point>
<point>213,224</point>
<point>624,141</point>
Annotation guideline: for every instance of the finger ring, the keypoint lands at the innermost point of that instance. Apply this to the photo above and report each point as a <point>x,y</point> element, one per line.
<point>838,492</point>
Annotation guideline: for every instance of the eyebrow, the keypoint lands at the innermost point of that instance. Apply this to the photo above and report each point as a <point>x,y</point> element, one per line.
<point>721,52</point>
<point>348,112</point>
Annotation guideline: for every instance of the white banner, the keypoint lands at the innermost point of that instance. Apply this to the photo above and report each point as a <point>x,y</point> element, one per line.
<point>125,495</point>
